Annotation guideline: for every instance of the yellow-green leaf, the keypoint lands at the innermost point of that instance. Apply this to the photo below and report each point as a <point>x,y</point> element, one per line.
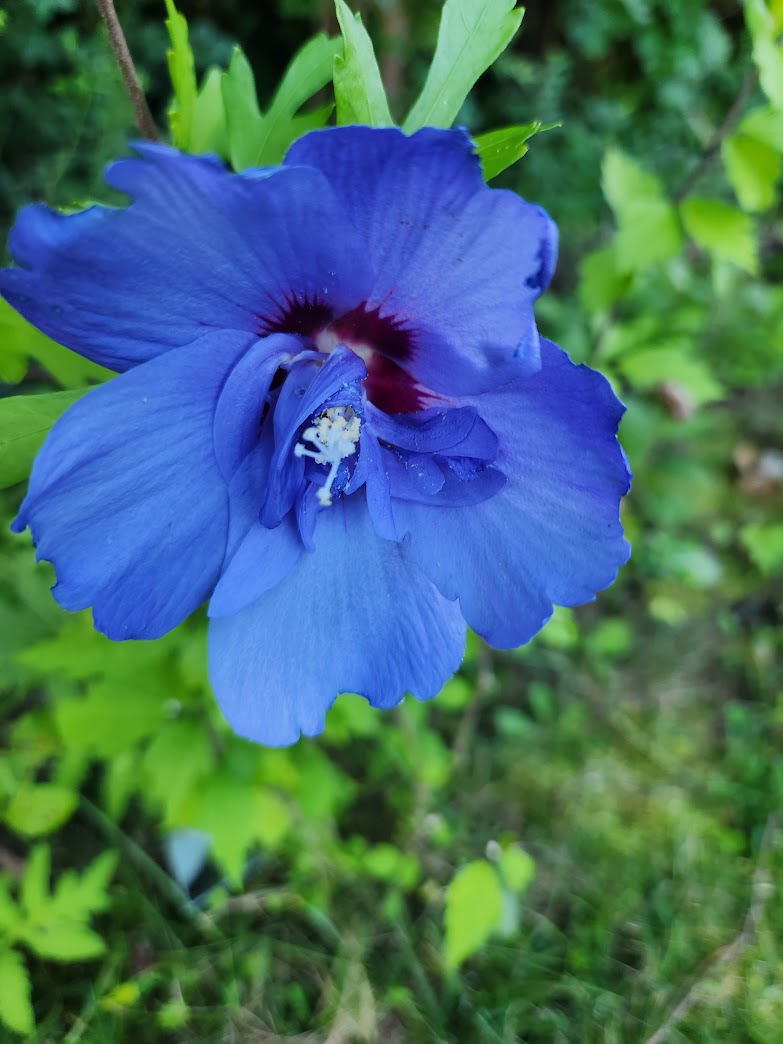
<point>471,36</point>
<point>25,421</point>
<point>721,230</point>
<point>16,1011</point>
<point>39,808</point>
<point>474,910</point>
<point>183,77</point>
<point>358,88</point>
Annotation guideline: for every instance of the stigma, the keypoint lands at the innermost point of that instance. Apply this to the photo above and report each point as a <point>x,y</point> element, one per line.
<point>335,436</point>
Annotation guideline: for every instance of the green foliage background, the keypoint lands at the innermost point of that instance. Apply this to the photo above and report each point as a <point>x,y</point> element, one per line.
<point>578,841</point>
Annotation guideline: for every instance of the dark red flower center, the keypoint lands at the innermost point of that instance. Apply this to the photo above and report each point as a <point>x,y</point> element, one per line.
<point>384,343</point>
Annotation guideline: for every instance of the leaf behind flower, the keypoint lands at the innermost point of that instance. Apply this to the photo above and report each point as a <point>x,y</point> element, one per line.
<point>471,36</point>
<point>24,423</point>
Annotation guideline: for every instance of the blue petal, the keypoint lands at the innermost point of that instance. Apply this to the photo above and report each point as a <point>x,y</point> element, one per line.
<point>306,391</point>
<point>242,400</point>
<point>428,431</point>
<point>552,534</point>
<point>198,248</point>
<point>456,263</point>
<point>126,499</point>
<point>351,617</point>
<point>263,559</point>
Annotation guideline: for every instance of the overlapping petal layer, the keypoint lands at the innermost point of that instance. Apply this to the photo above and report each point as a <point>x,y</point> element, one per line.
<point>353,616</point>
<point>552,533</point>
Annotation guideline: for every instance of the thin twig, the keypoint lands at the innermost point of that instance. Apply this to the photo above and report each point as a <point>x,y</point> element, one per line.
<point>713,146</point>
<point>119,46</point>
<point>760,890</point>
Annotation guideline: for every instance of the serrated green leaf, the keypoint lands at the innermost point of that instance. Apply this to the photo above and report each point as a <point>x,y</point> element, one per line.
<point>24,423</point>
<point>16,1011</point>
<point>209,132</point>
<point>243,116</point>
<point>183,77</point>
<point>236,815</point>
<point>308,72</point>
<point>63,940</point>
<point>471,36</point>
<point>648,232</point>
<point>499,149</point>
<point>39,808</point>
<point>358,88</point>
<point>721,230</point>
<point>474,910</point>
<point>77,896</point>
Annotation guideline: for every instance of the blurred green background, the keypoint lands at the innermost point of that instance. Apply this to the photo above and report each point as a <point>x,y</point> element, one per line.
<point>576,842</point>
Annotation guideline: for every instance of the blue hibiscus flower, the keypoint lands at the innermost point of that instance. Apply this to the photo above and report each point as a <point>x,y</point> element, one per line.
<point>334,419</point>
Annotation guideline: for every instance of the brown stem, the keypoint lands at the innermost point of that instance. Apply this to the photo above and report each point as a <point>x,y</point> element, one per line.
<point>713,146</point>
<point>119,46</point>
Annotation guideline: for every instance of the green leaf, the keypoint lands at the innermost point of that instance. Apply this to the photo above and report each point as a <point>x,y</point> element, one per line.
<point>499,149</point>
<point>183,77</point>
<point>474,910</point>
<point>310,70</point>
<point>243,117</point>
<point>601,280</point>
<point>110,718</point>
<point>63,940</point>
<point>767,53</point>
<point>209,132</point>
<point>472,34</point>
<point>24,423</point>
<point>16,1011</point>
<point>764,544</point>
<point>721,230</point>
<point>185,744</point>
<point>752,158</point>
<point>20,342</point>
<point>516,868</point>
<point>648,367</point>
<point>236,814</point>
<point>39,808</point>
<point>358,89</point>
<point>34,892</point>
<point>648,232</point>
<point>77,896</point>
<point>753,168</point>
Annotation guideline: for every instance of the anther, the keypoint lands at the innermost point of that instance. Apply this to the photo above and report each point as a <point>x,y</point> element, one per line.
<point>335,437</point>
